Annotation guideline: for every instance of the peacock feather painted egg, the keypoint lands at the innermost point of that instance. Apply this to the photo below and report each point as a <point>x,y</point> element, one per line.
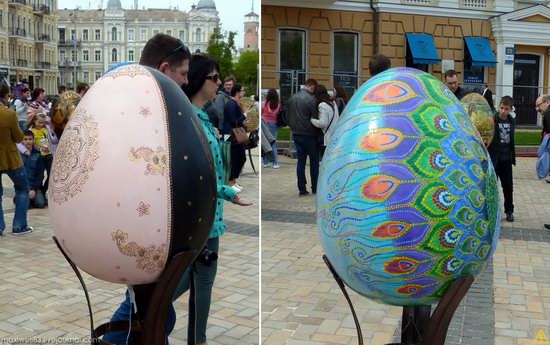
<point>407,198</point>
<point>132,182</point>
<point>478,109</point>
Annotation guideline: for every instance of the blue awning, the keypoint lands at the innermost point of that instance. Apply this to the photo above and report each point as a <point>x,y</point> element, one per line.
<point>422,48</point>
<point>480,51</point>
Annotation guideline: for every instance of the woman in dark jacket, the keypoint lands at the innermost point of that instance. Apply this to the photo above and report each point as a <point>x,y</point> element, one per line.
<point>233,118</point>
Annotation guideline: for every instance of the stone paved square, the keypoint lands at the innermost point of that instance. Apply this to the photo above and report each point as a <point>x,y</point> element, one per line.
<point>301,304</point>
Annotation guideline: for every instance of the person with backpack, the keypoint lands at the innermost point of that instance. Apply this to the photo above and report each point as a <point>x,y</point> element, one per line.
<point>327,115</point>
<point>271,108</point>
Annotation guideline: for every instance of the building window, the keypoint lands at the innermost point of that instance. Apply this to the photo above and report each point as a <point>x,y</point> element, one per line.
<point>73,55</point>
<point>97,75</point>
<point>1,19</point>
<point>73,35</point>
<point>113,34</point>
<point>86,76</point>
<point>114,55</point>
<point>62,56</point>
<point>2,49</point>
<point>346,57</point>
<point>169,32</point>
<point>198,35</point>
<point>130,55</point>
<point>98,55</point>
<point>85,55</point>
<point>98,35</point>
<point>131,35</point>
<point>85,34</point>
<point>143,35</point>
<point>156,32</point>
<point>182,35</point>
<point>292,57</point>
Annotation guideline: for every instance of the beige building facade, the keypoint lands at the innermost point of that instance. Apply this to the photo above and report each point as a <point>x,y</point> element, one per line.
<point>28,47</point>
<point>100,39</point>
<point>502,43</point>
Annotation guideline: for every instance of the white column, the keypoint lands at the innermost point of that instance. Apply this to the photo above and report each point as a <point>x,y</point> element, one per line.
<point>505,73</point>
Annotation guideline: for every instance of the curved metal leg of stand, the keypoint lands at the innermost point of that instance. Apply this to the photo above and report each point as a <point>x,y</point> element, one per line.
<point>343,288</point>
<point>251,161</point>
<point>443,313</point>
<point>154,326</point>
<point>417,326</point>
<point>79,276</point>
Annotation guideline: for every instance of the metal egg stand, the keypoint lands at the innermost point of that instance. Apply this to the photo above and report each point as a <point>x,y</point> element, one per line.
<point>419,326</point>
<point>148,326</point>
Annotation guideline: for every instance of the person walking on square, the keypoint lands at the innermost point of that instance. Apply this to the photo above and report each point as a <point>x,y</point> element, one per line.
<point>327,113</point>
<point>503,153</point>
<point>451,80</point>
<point>203,83</point>
<point>34,167</point>
<point>12,165</point>
<point>378,64</point>
<point>271,108</point>
<point>301,108</point>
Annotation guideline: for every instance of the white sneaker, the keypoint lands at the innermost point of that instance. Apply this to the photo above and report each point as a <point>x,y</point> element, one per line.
<point>238,186</point>
<point>276,166</point>
<point>266,165</point>
<point>236,189</point>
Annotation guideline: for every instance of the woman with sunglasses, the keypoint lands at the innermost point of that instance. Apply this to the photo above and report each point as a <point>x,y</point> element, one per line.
<point>203,84</point>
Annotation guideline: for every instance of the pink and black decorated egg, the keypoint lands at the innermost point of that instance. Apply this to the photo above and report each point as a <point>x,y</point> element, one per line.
<point>132,181</point>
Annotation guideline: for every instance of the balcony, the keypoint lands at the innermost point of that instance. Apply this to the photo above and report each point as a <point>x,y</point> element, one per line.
<point>68,64</point>
<point>419,2</point>
<point>42,38</point>
<point>17,32</point>
<point>71,43</point>
<point>42,65</point>
<point>17,2</point>
<point>477,4</point>
<point>19,63</point>
<point>41,10</point>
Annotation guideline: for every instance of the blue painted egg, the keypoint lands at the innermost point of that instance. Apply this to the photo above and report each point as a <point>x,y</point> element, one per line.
<point>407,197</point>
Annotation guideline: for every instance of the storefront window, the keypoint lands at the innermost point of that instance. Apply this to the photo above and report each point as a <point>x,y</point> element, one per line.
<point>345,61</point>
<point>292,55</point>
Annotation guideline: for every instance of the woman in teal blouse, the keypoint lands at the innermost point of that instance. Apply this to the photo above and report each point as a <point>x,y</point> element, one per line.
<point>204,81</point>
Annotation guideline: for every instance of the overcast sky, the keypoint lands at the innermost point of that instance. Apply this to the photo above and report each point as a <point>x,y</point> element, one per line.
<point>231,12</point>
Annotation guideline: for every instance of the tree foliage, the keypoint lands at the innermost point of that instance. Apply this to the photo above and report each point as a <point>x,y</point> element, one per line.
<point>246,70</point>
<point>221,47</point>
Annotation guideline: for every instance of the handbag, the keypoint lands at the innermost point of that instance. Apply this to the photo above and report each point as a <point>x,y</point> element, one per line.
<point>225,148</point>
<point>253,139</point>
<point>239,136</point>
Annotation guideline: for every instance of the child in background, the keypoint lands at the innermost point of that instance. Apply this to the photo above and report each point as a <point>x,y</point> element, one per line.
<point>44,139</point>
<point>503,152</point>
<point>35,170</point>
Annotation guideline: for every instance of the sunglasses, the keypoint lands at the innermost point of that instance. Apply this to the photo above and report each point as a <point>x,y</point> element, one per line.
<point>215,78</point>
<point>181,47</point>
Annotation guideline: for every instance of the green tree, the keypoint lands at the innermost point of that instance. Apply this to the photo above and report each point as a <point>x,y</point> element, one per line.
<point>246,70</point>
<point>221,47</point>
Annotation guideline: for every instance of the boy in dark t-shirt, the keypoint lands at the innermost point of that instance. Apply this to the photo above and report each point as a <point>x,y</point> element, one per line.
<point>503,153</point>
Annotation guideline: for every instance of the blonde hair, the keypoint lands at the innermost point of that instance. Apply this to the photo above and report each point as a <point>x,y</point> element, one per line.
<point>34,117</point>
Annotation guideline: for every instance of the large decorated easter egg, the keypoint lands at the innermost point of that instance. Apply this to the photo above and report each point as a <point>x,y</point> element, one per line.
<point>132,182</point>
<point>407,201</point>
<point>479,110</point>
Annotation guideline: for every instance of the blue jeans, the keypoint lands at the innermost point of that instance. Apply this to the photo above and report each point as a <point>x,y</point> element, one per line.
<point>204,279</point>
<point>307,145</point>
<point>22,124</point>
<point>273,129</point>
<point>21,186</point>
